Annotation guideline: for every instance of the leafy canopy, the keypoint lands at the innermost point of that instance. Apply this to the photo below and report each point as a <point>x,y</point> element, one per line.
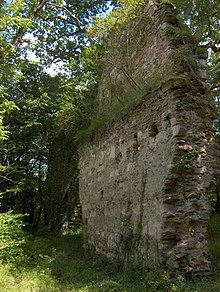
<point>61,32</point>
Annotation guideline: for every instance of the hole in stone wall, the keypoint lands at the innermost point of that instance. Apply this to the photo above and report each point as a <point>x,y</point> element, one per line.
<point>135,144</point>
<point>153,131</point>
<point>167,121</point>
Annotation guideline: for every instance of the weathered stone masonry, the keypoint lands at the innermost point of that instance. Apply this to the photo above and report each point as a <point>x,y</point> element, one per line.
<point>145,181</point>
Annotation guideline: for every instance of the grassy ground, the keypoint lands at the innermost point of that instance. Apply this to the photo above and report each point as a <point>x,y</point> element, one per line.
<point>57,263</point>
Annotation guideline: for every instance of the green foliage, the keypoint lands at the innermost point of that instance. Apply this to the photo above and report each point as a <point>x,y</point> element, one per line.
<point>215,199</point>
<point>117,110</point>
<point>214,240</point>
<point>202,20</point>
<point>54,31</point>
<point>201,17</point>
<point>181,34</point>
<point>57,263</point>
<point>60,29</point>
<point>24,155</point>
<point>214,227</point>
<point>128,99</point>
<point>214,71</point>
<point>187,160</point>
<point>5,107</point>
<point>164,282</point>
<point>12,20</point>
<point>116,19</point>
<point>79,91</point>
<point>12,236</point>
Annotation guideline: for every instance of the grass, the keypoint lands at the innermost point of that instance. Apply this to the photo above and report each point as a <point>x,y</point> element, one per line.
<point>57,263</point>
<point>130,99</point>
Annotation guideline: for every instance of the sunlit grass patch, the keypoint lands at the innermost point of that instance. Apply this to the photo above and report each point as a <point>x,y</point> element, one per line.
<point>52,262</point>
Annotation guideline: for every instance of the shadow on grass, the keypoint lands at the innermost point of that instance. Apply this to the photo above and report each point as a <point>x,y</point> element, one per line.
<point>62,259</point>
<point>51,262</point>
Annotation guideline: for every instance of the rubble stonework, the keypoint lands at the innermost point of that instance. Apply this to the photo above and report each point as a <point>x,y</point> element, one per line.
<point>145,180</point>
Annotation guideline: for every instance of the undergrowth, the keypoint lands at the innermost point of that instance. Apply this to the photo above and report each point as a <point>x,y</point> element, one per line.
<point>49,262</point>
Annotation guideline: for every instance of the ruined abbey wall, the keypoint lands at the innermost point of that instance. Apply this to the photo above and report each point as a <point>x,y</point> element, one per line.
<point>146,178</point>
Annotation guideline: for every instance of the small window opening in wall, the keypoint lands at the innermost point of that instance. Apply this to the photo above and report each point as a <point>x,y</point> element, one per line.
<point>136,138</point>
<point>153,131</point>
<point>135,144</point>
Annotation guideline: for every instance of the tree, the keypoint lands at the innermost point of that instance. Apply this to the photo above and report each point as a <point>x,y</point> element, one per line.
<point>5,107</point>
<point>55,31</point>
<point>202,17</point>
<point>59,27</point>
<point>53,108</point>
<point>9,68</point>
<point>24,154</point>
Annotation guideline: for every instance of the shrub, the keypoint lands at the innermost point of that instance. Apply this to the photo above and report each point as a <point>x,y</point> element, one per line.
<point>165,282</point>
<point>11,235</point>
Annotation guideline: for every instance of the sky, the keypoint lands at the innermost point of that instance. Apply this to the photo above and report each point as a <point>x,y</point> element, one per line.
<point>54,68</point>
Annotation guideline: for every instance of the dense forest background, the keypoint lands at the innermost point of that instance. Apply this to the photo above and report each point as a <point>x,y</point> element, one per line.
<point>41,111</point>
<point>50,65</point>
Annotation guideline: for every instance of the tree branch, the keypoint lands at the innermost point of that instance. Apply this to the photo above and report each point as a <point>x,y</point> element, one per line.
<point>34,11</point>
<point>213,45</point>
<point>8,179</point>
<point>69,34</point>
<point>67,10</point>
<point>37,8</point>
<point>215,48</point>
<point>214,86</point>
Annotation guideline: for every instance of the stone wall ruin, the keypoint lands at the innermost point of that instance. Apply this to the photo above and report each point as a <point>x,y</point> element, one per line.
<point>145,179</point>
